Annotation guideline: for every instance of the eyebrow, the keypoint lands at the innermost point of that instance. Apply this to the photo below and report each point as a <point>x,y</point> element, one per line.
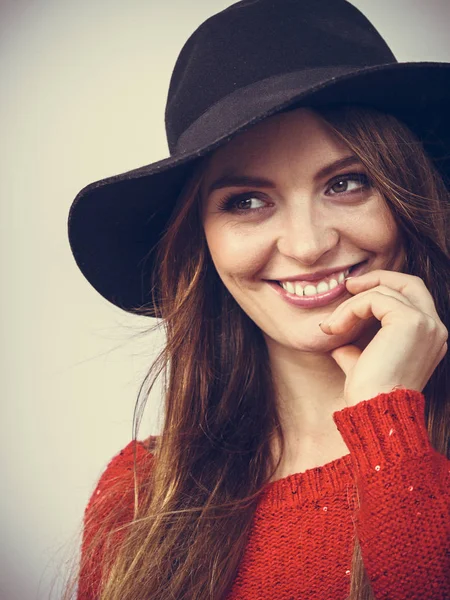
<point>237,180</point>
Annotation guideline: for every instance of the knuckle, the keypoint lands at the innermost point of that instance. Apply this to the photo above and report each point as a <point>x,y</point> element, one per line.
<point>424,322</point>
<point>422,319</point>
<point>436,328</point>
<point>418,280</point>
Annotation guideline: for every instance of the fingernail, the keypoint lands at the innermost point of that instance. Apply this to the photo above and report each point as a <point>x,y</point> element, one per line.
<point>347,278</point>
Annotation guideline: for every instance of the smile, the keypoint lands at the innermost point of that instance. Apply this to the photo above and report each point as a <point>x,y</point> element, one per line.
<point>314,296</point>
<point>304,288</point>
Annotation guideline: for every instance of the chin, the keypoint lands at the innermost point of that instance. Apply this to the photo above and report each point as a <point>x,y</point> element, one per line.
<point>360,335</point>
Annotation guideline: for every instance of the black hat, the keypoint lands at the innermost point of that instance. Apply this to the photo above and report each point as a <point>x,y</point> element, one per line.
<point>244,64</point>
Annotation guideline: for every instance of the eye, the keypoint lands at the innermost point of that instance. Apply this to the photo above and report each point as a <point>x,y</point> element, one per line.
<point>247,202</point>
<point>348,183</point>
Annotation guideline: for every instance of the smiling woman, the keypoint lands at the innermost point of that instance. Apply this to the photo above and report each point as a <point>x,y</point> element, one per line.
<point>305,441</point>
<point>307,210</point>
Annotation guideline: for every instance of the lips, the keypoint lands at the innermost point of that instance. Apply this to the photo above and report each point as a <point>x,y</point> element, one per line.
<point>317,300</point>
<point>326,278</point>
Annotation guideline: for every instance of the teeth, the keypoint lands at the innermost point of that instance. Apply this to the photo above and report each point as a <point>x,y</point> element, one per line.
<point>323,287</point>
<point>312,290</point>
<point>290,287</point>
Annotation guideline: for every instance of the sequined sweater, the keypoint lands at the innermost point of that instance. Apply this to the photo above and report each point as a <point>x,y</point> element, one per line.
<point>302,535</point>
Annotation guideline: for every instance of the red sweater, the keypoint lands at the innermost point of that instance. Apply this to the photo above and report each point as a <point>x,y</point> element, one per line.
<point>301,541</point>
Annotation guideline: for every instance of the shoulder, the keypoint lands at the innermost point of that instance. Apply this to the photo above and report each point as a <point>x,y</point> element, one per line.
<point>140,451</point>
<point>117,482</point>
<point>111,507</point>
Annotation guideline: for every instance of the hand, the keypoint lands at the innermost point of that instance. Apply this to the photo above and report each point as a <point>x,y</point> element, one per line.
<point>407,348</point>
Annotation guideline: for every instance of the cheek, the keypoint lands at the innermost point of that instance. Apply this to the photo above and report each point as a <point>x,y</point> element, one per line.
<point>377,230</point>
<point>389,237</point>
<point>237,255</point>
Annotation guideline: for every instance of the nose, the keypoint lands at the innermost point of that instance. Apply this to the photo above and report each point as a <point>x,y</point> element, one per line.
<point>305,235</point>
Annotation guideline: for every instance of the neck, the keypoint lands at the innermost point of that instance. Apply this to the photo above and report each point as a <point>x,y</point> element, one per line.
<point>309,388</point>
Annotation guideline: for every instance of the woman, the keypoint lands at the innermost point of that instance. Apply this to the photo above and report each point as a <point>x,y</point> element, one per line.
<point>295,244</point>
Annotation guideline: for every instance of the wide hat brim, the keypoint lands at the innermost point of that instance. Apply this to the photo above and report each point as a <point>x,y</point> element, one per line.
<point>115,224</point>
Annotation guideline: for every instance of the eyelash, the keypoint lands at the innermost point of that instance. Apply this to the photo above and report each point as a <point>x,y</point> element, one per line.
<point>230,201</point>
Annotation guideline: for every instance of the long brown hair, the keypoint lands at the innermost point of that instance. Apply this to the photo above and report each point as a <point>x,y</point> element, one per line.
<point>193,509</point>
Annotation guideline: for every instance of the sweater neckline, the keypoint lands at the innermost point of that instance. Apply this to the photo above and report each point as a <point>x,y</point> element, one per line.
<point>312,485</point>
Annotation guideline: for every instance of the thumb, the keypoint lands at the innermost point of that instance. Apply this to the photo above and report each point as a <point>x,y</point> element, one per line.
<point>346,357</point>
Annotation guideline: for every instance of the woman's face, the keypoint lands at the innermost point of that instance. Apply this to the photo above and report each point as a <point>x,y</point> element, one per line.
<point>271,213</point>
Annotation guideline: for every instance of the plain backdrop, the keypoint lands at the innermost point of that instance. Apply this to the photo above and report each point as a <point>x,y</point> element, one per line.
<point>83,90</point>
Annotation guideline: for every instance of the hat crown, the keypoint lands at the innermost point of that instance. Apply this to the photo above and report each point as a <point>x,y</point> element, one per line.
<point>256,39</point>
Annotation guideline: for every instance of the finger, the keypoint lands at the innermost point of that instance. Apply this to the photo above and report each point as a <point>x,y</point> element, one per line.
<point>386,308</point>
<point>410,286</point>
<point>342,308</point>
<point>346,357</point>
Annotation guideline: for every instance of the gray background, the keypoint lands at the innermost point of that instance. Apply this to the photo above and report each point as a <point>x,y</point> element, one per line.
<point>83,88</point>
